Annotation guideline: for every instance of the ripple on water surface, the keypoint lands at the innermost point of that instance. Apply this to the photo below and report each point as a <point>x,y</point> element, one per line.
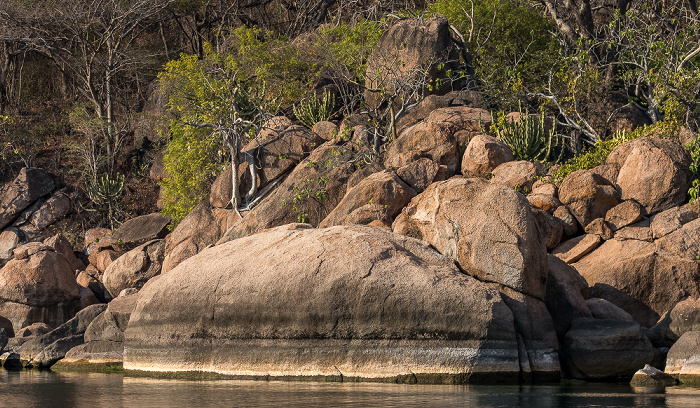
<point>78,390</point>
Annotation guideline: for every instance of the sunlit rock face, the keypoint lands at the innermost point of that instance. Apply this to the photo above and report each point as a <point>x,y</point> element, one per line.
<point>346,302</point>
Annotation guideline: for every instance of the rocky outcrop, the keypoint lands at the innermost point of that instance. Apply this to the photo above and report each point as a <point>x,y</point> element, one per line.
<point>38,285</point>
<point>483,154</point>
<point>342,302</point>
<point>104,337</point>
<point>43,351</point>
<point>605,349</point>
<point>139,230</point>
<point>384,189</point>
<point>654,172</point>
<point>277,149</point>
<point>30,185</point>
<point>135,268</point>
<point>310,192</point>
<point>587,195</point>
<point>683,360</point>
<point>404,52</point>
<point>640,278</point>
<point>518,175</point>
<point>494,243</point>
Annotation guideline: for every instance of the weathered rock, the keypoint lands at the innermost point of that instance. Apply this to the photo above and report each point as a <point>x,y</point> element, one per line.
<point>600,228</point>
<point>356,302</point>
<point>327,130</point>
<point>194,233</point>
<point>483,154</point>
<point>34,329</point>
<point>567,220</point>
<point>607,171</point>
<point>52,210</point>
<point>576,248</point>
<point>59,340</point>
<point>275,151</point>
<point>495,243</point>
<point>563,297</point>
<point>671,220</point>
<point>535,328</point>
<point>685,316</point>
<point>9,240</point>
<point>683,360</point>
<point>60,244</point>
<point>88,281</point>
<point>107,354</point>
<point>38,286</point>
<point>587,195</point>
<point>635,277</point>
<point>602,309</point>
<point>639,231</point>
<point>96,236</point>
<point>6,325</point>
<point>135,268</point>
<point>604,349</point>
<point>550,229</point>
<point>29,185</point>
<point>418,174</point>
<point>101,260</point>
<point>654,172</point>
<point>327,169</point>
<point>385,189</point>
<point>651,377</point>
<point>139,230</point>
<point>683,242</point>
<point>518,175</point>
<point>543,187</point>
<point>426,139</point>
<point>544,202</point>
<point>423,109</point>
<point>407,48</point>
<point>624,214</point>
<point>111,324</point>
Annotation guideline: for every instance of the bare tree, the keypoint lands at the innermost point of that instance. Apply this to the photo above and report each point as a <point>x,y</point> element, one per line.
<point>89,41</point>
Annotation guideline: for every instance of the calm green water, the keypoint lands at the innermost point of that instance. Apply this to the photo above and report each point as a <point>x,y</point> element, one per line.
<point>47,390</point>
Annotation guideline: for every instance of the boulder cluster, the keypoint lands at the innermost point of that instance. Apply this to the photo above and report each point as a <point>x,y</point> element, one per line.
<point>441,260</point>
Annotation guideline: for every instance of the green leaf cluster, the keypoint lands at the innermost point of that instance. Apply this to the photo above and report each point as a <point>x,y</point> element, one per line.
<point>529,139</point>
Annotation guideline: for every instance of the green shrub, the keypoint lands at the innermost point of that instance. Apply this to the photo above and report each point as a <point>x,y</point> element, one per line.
<point>592,157</point>
<point>694,150</point>
<point>519,50</point>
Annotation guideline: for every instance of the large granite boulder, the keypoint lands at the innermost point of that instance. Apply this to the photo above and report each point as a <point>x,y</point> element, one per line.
<point>139,230</point>
<point>424,140</point>
<point>564,297</point>
<point>30,185</point>
<point>38,285</point>
<point>597,349</point>
<point>310,192</point>
<point>685,316</point>
<point>384,189</point>
<point>683,360</point>
<point>489,229</point>
<point>340,302</point>
<point>588,195</point>
<point>483,154</point>
<point>404,52</point>
<point>44,350</point>
<point>639,277</point>
<point>195,232</point>
<point>654,172</point>
<point>135,268</point>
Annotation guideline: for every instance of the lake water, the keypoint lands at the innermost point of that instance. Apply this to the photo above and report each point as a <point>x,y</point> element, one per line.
<point>47,389</point>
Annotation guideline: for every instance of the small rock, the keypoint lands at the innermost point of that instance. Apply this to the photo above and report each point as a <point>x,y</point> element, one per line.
<point>518,175</point>
<point>651,377</point>
<point>600,228</point>
<point>567,220</point>
<point>624,214</point>
<point>602,309</point>
<point>139,230</point>
<point>576,248</point>
<point>672,219</point>
<point>483,154</point>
